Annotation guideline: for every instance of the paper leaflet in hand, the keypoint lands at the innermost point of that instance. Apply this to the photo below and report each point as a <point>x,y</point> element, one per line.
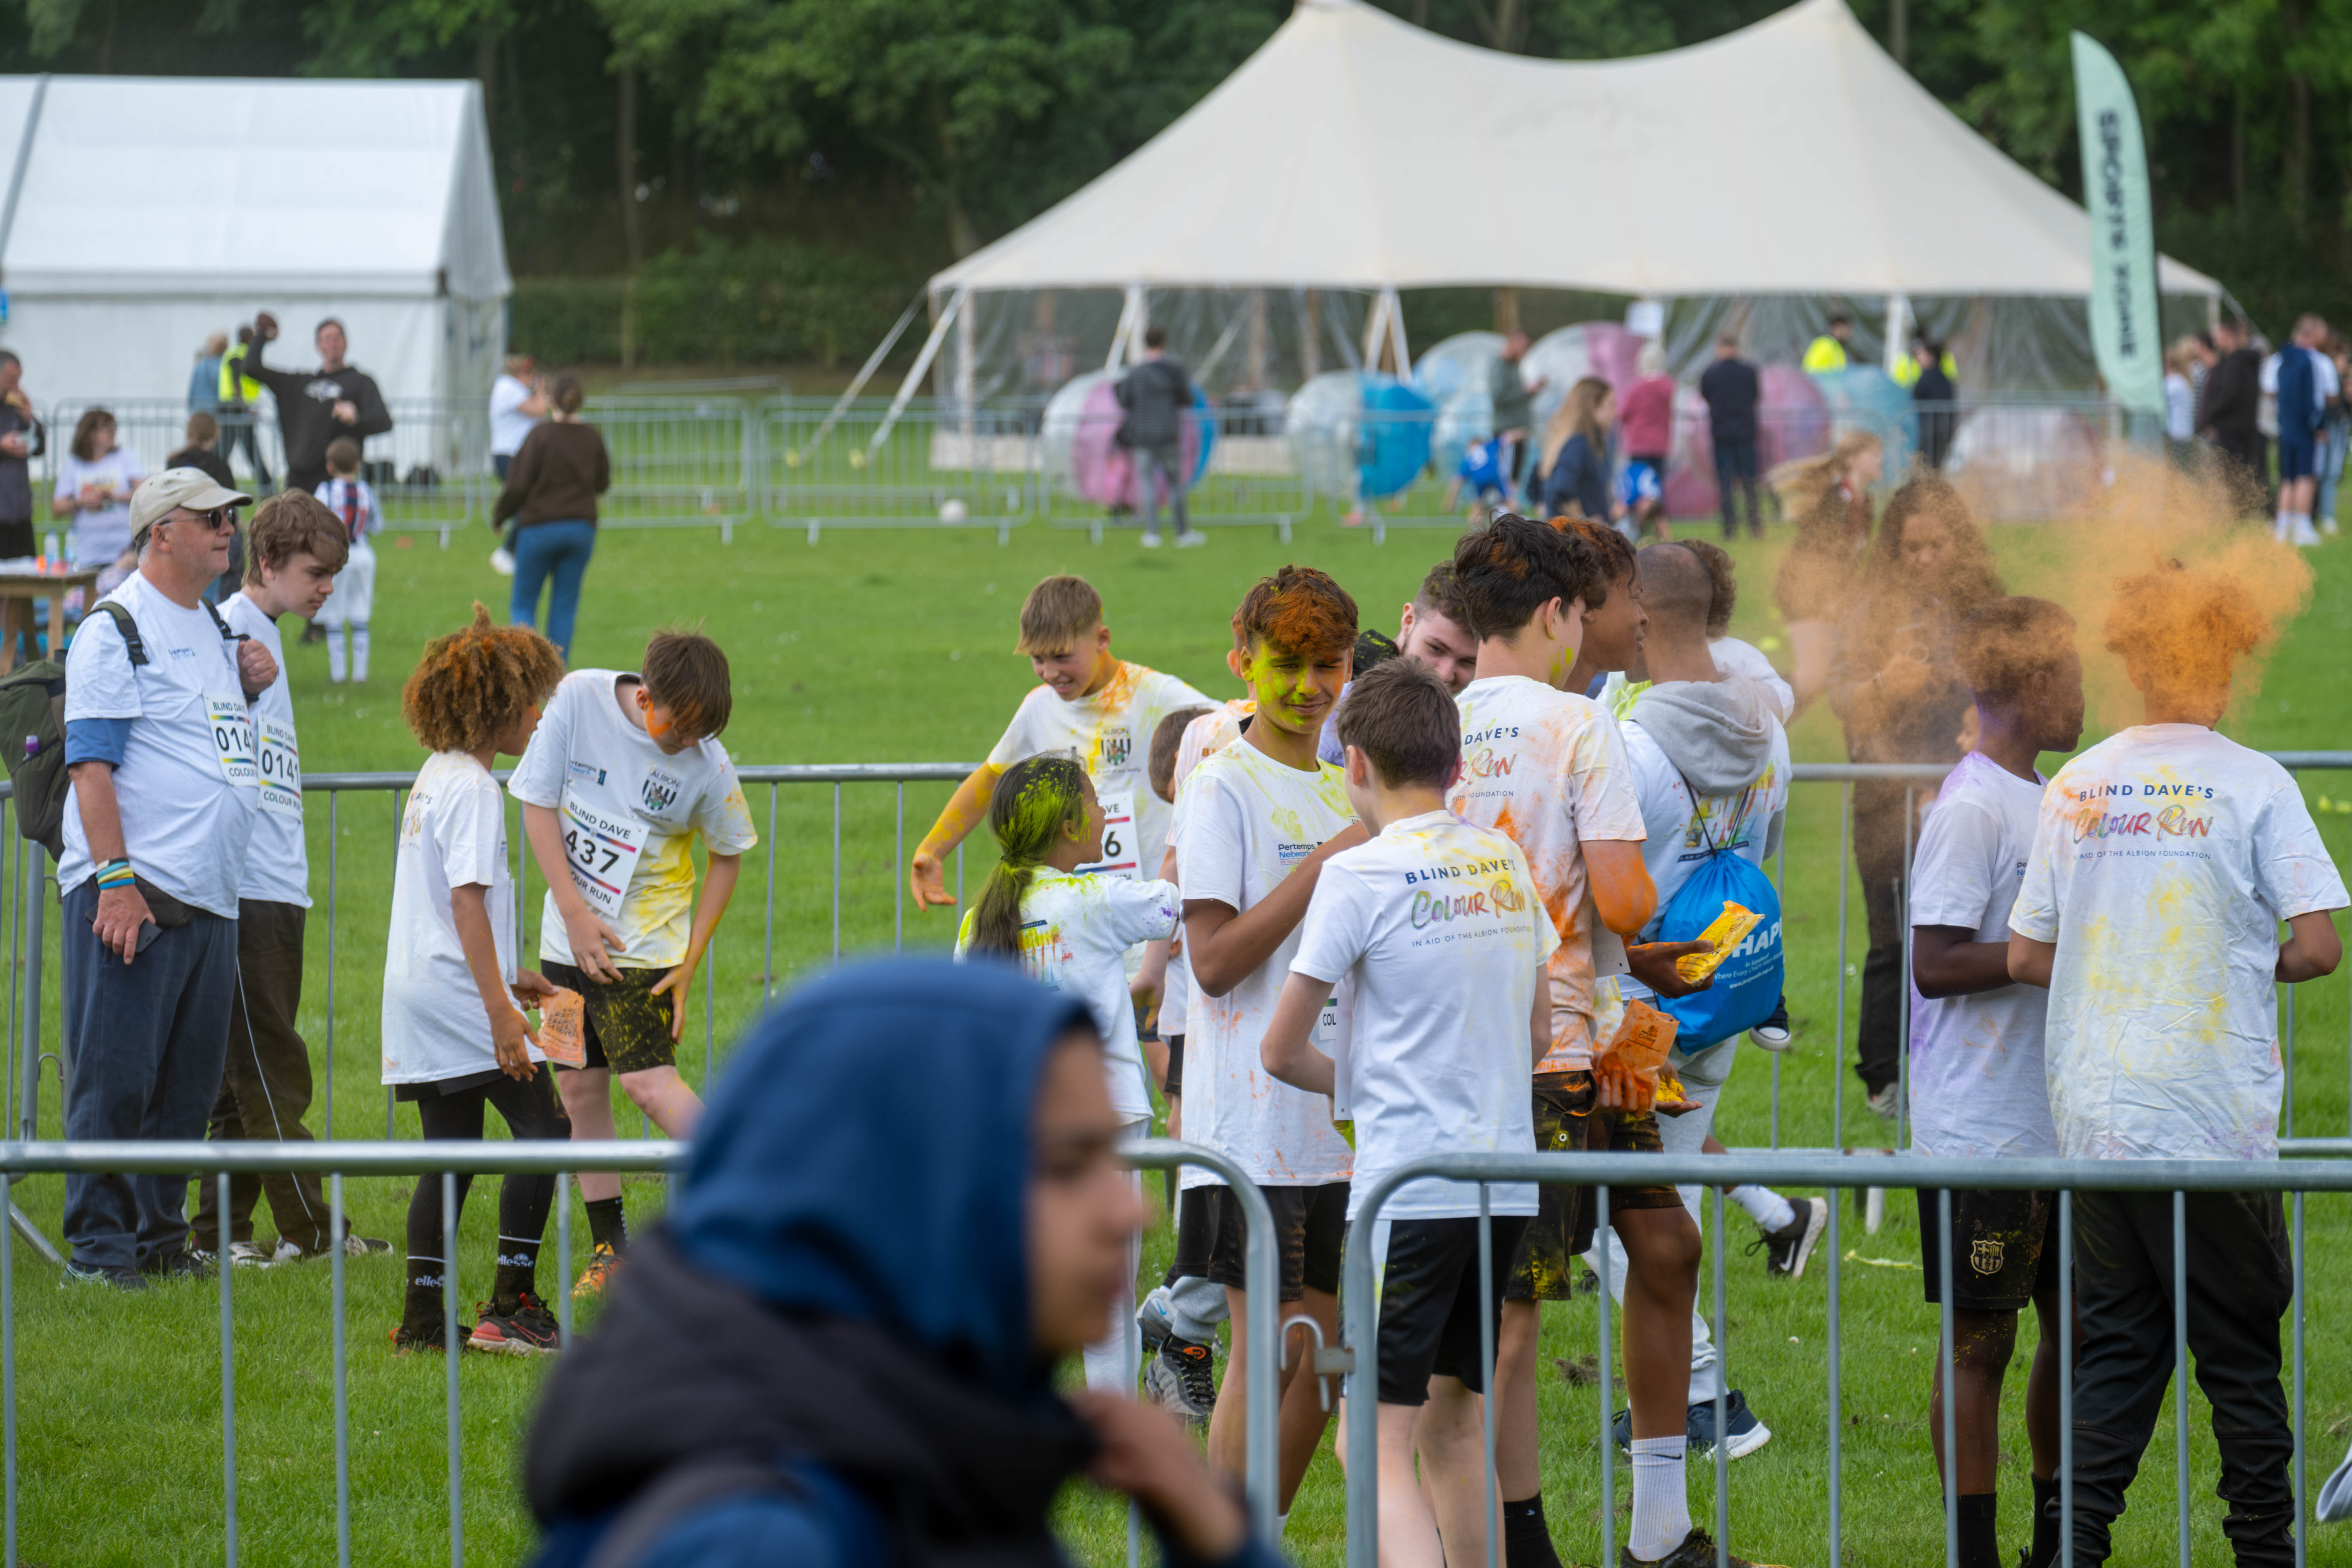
<point>562,1029</point>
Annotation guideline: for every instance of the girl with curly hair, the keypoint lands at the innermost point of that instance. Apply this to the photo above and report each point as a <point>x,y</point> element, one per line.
<point>454,1039</point>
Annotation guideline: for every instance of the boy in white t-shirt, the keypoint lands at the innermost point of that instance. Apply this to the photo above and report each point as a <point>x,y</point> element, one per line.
<point>294,548</point>
<point>624,773</point>
<point>1071,931</point>
<point>2164,862</point>
<point>1435,929</point>
<point>1260,819</point>
<point>352,500</point>
<point>1547,766</point>
<point>1977,1089</point>
<point>454,1041</point>
<point>1088,703</point>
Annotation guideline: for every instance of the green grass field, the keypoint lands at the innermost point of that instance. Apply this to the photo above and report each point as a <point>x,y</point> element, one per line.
<point>894,647</point>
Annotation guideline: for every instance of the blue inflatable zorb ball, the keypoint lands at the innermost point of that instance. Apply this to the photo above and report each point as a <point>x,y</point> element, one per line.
<point>1392,442</point>
<point>1864,397</point>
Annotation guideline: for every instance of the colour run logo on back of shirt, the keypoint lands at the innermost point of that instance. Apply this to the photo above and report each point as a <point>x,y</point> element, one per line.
<point>1502,897</point>
<point>2113,811</point>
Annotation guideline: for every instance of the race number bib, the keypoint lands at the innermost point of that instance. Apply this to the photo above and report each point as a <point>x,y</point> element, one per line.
<point>602,851</point>
<point>281,768</point>
<point>233,738</point>
<point>1119,852</point>
<point>1334,1036</point>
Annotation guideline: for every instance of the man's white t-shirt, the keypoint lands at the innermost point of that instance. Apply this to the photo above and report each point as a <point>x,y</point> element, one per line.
<point>278,859</point>
<point>509,424</point>
<point>1075,934</point>
<point>2164,860</point>
<point>1977,1087</point>
<point>1248,822</point>
<point>1682,829</point>
<point>1436,928</point>
<point>453,834</point>
<point>188,784</point>
<point>1110,734</point>
<point>1548,769</point>
<point>628,811</point>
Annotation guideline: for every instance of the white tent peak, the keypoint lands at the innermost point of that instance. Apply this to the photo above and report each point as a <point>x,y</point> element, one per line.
<point>1356,150</point>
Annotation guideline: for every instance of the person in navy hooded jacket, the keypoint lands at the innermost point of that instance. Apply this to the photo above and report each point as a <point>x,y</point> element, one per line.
<point>874,1318</point>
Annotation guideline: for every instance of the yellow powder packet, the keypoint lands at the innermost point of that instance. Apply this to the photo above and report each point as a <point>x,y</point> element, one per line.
<point>562,1029</point>
<point>1729,930</point>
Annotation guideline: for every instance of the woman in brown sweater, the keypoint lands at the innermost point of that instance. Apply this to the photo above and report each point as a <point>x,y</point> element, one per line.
<point>551,492</point>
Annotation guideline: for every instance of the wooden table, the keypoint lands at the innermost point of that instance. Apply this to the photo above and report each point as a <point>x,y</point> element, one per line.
<point>28,586</point>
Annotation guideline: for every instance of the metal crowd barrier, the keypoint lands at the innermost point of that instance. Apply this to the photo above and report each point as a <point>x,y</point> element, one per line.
<point>19,1161</point>
<point>1359,1353</point>
<point>934,465</point>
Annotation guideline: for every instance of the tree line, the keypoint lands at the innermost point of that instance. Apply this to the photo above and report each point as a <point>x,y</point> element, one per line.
<point>896,134</point>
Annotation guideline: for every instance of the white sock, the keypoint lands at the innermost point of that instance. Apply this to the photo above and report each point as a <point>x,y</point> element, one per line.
<point>1281,1525</point>
<point>1768,1208</point>
<point>1661,1507</point>
<point>334,653</point>
<point>358,653</point>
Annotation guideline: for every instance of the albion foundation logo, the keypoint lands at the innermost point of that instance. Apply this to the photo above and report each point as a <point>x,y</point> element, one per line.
<point>661,792</point>
<point>1115,750</point>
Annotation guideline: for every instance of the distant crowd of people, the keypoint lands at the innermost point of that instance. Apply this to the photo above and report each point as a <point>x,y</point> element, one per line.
<point>2230,403</point>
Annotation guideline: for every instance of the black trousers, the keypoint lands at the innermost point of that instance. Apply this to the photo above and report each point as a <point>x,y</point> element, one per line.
<point>1734,478</point>
<point>1879,853</point>
<point>265,1087</point>
<point>2239,1285</point>
<point>530,1109</point>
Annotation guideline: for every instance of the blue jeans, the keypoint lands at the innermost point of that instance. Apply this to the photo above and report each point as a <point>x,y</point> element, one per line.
<point>557,548</point>
<point>145,1043</point>
<point>2332,441</point>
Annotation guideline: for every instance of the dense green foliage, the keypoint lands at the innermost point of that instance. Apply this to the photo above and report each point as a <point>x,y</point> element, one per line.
<point>903,132</point>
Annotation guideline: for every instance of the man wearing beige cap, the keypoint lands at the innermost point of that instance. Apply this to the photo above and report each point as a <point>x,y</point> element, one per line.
<point>163,755</point>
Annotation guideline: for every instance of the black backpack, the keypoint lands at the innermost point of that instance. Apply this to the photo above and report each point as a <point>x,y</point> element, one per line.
<point>33,731</point>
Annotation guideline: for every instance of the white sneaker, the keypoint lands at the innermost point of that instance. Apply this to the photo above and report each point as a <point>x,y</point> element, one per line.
<point>1883,1104</point>
<point>2306,536</point>
<point>502,561</point>
<point>246,1255</point>
<point>1191,538</point>
<point>2327,526</point>
<point>1151,539</point>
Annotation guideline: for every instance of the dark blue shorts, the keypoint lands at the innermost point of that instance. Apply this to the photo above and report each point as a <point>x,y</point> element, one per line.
<point>2299,456</point>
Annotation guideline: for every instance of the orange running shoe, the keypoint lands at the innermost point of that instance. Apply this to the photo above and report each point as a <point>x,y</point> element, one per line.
<point>602,1264</point>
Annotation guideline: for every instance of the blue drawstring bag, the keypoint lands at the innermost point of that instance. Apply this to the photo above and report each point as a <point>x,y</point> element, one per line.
<point>1747,985</point>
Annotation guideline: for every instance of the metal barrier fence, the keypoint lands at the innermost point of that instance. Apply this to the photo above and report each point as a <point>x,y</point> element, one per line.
<point>19,1161</point>
<point>1360,1354</point>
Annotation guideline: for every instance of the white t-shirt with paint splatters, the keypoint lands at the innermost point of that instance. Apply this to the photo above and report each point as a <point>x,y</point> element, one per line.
<point>1978,1084</point>
<point>1075,934</point>
<point>278,859</point>
<point>452,835</point>
<point>1248,822</point>
<point>1548,768</point>
<point>1436,927</point>
<point>1110,734</point>
<point>629,812</point>
<point>2164,859</point>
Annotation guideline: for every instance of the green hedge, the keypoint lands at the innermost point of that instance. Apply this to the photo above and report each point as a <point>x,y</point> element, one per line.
<point>768,304</point>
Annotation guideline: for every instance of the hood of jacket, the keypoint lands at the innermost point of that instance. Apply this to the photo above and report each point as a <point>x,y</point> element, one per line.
<point>1719,733</point>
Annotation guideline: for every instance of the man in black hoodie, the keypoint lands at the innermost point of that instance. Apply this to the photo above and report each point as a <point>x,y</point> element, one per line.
<point>316,407</point>
<point>2233,393</point>
<point>1157,394</point>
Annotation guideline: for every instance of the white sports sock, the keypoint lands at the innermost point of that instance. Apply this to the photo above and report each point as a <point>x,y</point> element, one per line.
<point>334,653</point>
<point>1768,1208</point>
<point>1661,1507</point>
<point>358,653</point>
<point>1281,1525</point>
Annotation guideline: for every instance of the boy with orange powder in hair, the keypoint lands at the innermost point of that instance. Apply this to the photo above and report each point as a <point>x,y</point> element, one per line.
<point>2164,862</point>
<point>1088,702</point>
<point>1259,819</point>
<point>1546,765</point>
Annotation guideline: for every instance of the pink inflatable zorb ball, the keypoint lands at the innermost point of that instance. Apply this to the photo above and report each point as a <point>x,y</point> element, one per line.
<point>1104,471</point>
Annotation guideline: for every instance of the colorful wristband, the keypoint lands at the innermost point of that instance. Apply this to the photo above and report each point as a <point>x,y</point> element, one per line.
<point>116,874</point>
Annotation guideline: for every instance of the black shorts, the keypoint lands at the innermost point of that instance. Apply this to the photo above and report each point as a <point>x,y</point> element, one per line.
<point>1429,1303</point>
<point>1310,1225</point>
<point>1174,1088</point>
<point>2004,1248</point>
<point>1566,1216</point>
<point>625,1026</point>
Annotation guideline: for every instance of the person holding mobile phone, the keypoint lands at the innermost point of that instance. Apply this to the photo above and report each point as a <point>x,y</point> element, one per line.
<point>161,752</point>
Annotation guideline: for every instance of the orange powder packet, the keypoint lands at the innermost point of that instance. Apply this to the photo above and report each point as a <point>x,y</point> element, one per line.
<point>562,1029</point>
<point>1642,1041</point>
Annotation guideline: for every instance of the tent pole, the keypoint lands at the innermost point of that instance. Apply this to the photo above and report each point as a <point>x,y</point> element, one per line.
<point>865,373</point>
<point>24,158</point>
<point>1898,312</point>
<point>1396,335</point>
<point>922,367</point>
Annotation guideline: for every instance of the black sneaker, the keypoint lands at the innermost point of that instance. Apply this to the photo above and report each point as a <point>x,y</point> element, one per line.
<point>1772,1033</point>
<point>181,1265</point>
<point>1786,1249</point>
<point>408,1339</point>
<point>1747,1434</point>
<point>1182,1379</point>
<point>525,1330</point>
<point>1697,1551</point>
<point>115,1274</point>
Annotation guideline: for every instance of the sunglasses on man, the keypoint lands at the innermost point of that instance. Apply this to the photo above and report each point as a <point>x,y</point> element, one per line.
<point>213,521</point>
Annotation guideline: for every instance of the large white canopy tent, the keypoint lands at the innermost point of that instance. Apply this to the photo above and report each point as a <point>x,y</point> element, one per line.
<point>142,214</point>
<point>1772,172</point>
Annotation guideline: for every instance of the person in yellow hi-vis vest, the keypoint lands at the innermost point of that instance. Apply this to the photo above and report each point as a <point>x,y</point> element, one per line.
<point>237,392</point>
<point>1829,352</point>
<point>1907,369</point>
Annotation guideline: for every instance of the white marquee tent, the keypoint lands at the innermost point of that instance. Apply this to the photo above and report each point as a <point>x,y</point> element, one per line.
<point>1356,152</point>
<point>142,214</point>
